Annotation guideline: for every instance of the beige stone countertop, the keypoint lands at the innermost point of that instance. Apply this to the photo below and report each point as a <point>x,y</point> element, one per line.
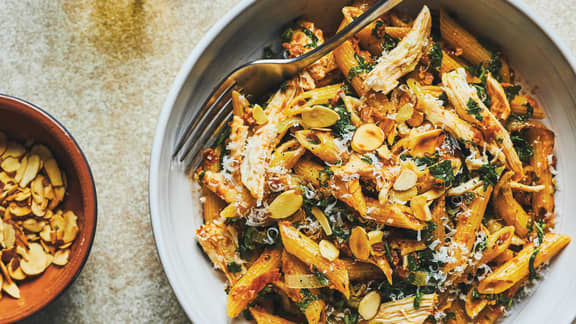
<point>104,68</point>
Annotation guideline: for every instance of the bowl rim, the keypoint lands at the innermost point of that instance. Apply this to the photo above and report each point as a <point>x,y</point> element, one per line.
<point>177,85</point>
<point>47,116</point>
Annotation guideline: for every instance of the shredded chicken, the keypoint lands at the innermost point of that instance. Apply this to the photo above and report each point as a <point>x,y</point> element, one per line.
<point>402,59</point>
<point>219,244</point>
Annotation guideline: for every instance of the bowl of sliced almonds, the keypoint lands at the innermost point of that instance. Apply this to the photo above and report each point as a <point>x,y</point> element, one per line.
<point>47,209</point>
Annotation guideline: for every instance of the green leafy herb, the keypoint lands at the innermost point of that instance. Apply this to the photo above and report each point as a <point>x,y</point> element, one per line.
<point>443,171</point>
<point>427,160</point>
<point>388,253</point>
<point>512,91</point>
<point>369,158</point>
<point>284,86</point>
<point>418,298</point>
<point>390,42</point>
<point>313,38</point>
<point>477,70</point>
<point>490,174</point>
<point>500,299</point>
<point>234,267</point>
<point>320,276</point>
<point>343,127</point>
<point>307,298</point>
<point>324,176</point>
<point>435,57</point>
<point>540,227</point>
<point>351,318</point>
<point>444,98</point>
<point>363,66</point>
<point>494,66</point>
<point>533,274</point>
<point>286,35</point>
<point>377,26</point>
<point>472,108</point>
<point>523,148</point>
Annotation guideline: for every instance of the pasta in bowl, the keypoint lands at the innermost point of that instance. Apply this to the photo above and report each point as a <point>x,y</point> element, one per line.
<point>404,177</point>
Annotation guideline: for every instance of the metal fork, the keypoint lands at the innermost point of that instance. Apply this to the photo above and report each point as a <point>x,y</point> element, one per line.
<point>256,78</point>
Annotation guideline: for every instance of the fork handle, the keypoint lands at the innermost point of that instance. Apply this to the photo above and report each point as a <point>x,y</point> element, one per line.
<point>377,10</point>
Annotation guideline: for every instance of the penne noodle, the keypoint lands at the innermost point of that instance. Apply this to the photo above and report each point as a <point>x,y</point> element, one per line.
<point>308,252</point>
<point>263,317</point>
<point>263,271</point>
<point>517,268</point>
<point>211,206</point>
<point>542,141</point>
<point>500,107</point>
<point>362,271</point>
<point>287,155</point>
<point>519,105</point>
<point>403,311</point>
<point>459,38</point>
<point>392,214</point>
<point>508,208</point>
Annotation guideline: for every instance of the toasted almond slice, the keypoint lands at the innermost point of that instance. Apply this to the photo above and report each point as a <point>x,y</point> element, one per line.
<point>31,170</point>
<point>367,138</point>
<point>33,225</point>
<point>71,226</point>
<point>14,150</point>
<point>286,204</point>
<point>321,218</point>
<point>319,116</point>
<point>22,169</point>
<point>259,115</point>
<point>42,151</point>
<point>59,193</point>
<point>61,257</point>
<point>39,209</point>
<point>37,189</point>
<point>369,305</point>
<point>45,233</point>
<point>229,211</point>
<point>10,165</point>
<point>328,250</point>
<point>384,152</point>
<point>53,172</point>
<point>9,236</point>
<point>404,113</point>
<point>11,289</point>
<point>359,243</point>
<point>375,237</point>
<point>406,180</point>
<point>35,261</point>
<point>14,270</point>
<point>420,208</point>
<point>65,246</point>
<point>19,211</point>
<point>3,143</point>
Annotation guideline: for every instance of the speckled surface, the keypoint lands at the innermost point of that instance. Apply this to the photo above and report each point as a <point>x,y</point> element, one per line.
<point>103,68</point>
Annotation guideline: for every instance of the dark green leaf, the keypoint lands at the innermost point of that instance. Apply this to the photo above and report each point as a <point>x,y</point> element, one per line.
<point>473,108</point>
<point>234,267</point>
<point>443,171</point>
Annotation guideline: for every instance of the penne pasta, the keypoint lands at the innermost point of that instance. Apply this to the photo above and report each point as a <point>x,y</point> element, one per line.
<point>263,317</point>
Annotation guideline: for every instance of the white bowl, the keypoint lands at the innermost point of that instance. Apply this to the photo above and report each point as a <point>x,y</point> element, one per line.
<point>242,34</point>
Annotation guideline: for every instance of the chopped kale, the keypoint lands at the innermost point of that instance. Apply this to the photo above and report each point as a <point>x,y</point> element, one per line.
<point>468,197</point>
<point>494,66</point>
<point>320,276</point>
<point>234,267</point>
<point>490,174</point>
<point>529,113</point>
<point>377,26</point>
<point>472,108</point>
<point>324,176</point>
<point>418,298</point>
<point>533,274</point>
<point>369,158</point>
<point>390,42</point>
<point>363,66</point>
<point>512,91</point>
<point>500,299</point>
<point>444,98</point>
<point>307,298</point>
<point>313,38</point>
<point>435,57</point>
<point>523,148</point>
<point>427,160</point>
<point>443,171</point>
<point>343,126</point>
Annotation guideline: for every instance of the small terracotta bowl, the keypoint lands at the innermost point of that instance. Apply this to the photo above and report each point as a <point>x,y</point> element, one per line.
<point>21,120</point>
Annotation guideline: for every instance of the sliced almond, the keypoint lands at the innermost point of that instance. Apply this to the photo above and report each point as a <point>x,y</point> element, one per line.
<point>53,172</point>
<point>8,235</point>
<point>10,165</point>
<point>61,257</point>
<point>420,208</point>
<point>321,218</point>
<point>404,113</point>
<point>31,170</point>
<point>33,225</point>
<point>14,270</point>
<point>359,243</point>
<point>375,237</point>
<point>35,261</point>
<point>22,169</point>
<point>384,152</point>
<point>11,289</point>
<point>369,305</point>
<point>59,193</point>
<point>19,211</point>
<point>328,250</point>
<point>259,115</point>
<point>45,233</point>
<point>406,180</point>
<point>286,204</point>
<point>403,196</point>
<point>14,150</point>
<point>42,151</point>
<point>71,226</point>
<point>367,138</point>
<point>319,117</point>
<point>37,188</point>
<point>229,211</point>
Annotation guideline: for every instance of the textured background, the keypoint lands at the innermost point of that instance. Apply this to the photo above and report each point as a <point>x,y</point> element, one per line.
<point>103,68</point>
